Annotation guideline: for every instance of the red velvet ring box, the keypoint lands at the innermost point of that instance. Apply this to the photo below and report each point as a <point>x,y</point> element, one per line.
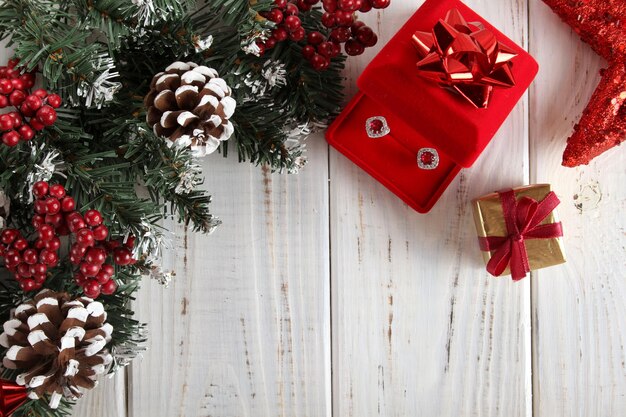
<point>421,115</point>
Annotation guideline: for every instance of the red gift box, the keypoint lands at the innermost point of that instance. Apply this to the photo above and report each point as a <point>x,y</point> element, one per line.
<point>424,119</point>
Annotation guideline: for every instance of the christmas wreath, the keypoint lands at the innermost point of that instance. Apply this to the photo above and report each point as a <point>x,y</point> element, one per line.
<point>107,106</point>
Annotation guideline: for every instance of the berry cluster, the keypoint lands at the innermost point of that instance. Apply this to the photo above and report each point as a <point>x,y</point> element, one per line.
<point>339,18</point>
<point>30,262</point>
<point>56,215</point>
<point>288,25</point>
<point>33,112</point>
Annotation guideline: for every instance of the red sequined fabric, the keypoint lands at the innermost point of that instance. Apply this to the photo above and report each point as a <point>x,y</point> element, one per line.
<point>602,24</point>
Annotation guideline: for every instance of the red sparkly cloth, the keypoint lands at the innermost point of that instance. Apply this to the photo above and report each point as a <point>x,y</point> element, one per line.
<point>602,24</point>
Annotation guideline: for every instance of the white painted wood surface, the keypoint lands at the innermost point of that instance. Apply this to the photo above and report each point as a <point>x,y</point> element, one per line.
<point>323,295</point>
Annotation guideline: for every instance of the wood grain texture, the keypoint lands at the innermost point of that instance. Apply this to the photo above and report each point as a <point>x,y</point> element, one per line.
<point>579,310</point>
<point>108,399</point>
<point>419,328</point>
<point>244,328</point>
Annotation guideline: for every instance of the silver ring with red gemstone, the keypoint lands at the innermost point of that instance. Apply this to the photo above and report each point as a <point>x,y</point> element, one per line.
<point>377,127</point>
<point>427,158</point>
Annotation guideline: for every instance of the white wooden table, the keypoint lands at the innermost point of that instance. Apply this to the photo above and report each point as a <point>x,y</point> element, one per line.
<point>324,295</point>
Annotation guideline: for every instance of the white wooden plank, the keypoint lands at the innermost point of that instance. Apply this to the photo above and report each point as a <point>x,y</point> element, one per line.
<point>244,328</point>
<point>108,399</point>
<point>579,310</point>
<point>419,328</point>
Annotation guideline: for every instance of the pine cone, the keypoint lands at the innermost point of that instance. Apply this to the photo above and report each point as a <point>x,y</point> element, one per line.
<point>189,104</point>
<point>59,343</point>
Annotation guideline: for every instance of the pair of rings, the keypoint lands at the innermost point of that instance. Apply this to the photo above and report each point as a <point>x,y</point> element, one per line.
<point>377,127</point>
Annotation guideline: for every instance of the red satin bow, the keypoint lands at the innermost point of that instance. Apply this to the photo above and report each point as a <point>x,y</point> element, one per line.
<point>523,220</point>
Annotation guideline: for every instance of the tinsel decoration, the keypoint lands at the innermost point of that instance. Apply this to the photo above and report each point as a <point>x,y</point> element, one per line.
<point>59,344</point>
<point>189,104</point>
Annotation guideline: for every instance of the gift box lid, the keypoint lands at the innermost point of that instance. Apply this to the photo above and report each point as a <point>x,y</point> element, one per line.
<point>429,111</point>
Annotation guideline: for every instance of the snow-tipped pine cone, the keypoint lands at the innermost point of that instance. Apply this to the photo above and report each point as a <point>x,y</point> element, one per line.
<point>191,105</point>
<point>59,343</point>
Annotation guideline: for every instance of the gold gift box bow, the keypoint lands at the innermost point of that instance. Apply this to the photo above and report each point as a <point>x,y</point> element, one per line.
<point>489,219</point>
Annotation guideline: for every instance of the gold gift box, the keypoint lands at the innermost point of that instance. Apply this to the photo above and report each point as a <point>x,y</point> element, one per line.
<point>489,219</point>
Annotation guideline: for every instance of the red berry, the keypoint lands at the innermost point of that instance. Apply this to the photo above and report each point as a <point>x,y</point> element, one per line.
<point>46,232</point>
<point>354,47</point>
<point>261,47</point>
<point>12,258</point>
<point>47,115</point>
<point>17,84</point>
<point>8,236</point>
<point>41,93</point>
<point>308,51</point>
<point>329,5</point>
<point>318,62</point>
<point>107,270</point>
<point>85,237</point>
<point>298,34</point>
<point>291,9</point>
<point>54,100</point>
<point>340,34</point>
<point>89,270</point>
<point>344,18</point>
<point>304,5</point>
<point>275,16</point>
<point>30,256</point>
<point>281,4</point>
<point>130,242</point>
<point>53,206</point>
<point>68,204</point>
<point>34,123</point>
<point>38,269</point>
<point>4,101</point>
<point>328,19</point>
<point>40,279</point>
<point>292,23</point>
<point>40,207</point>
<point>40,189</point>
<point>363,33</point>
<point>270,43</point>
<point>28,80</point>
<point>20,244</point>
<point>100,232</point>
<point>26,132</point>
<point>80,279</point>
<point>16,98</point>
<point>6,87</point>
<point>380,4</point>
<point>54,219</point>
<point>325,49</point>
<point>366,6</point>
<point>57,191</point>
<point>92,288</point>
<point>39,244</point>
<point>122,256</point>
<point>38,219</point>
<point>93,218</point>
<point>349,5</point>
<point>48,257</point>
<point>78,250</point>
<point>280,34</point>
<point>11,138</point>
<point>315,38</point>
<point>96,256</point>
<point>109,287</point>
<point>28,284</point>
<point>102,278</point>
<point>53,244</point>
<point>33,102</point>
<point>24,270</point>
<point>6,122</point>
<point>371,41</point>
